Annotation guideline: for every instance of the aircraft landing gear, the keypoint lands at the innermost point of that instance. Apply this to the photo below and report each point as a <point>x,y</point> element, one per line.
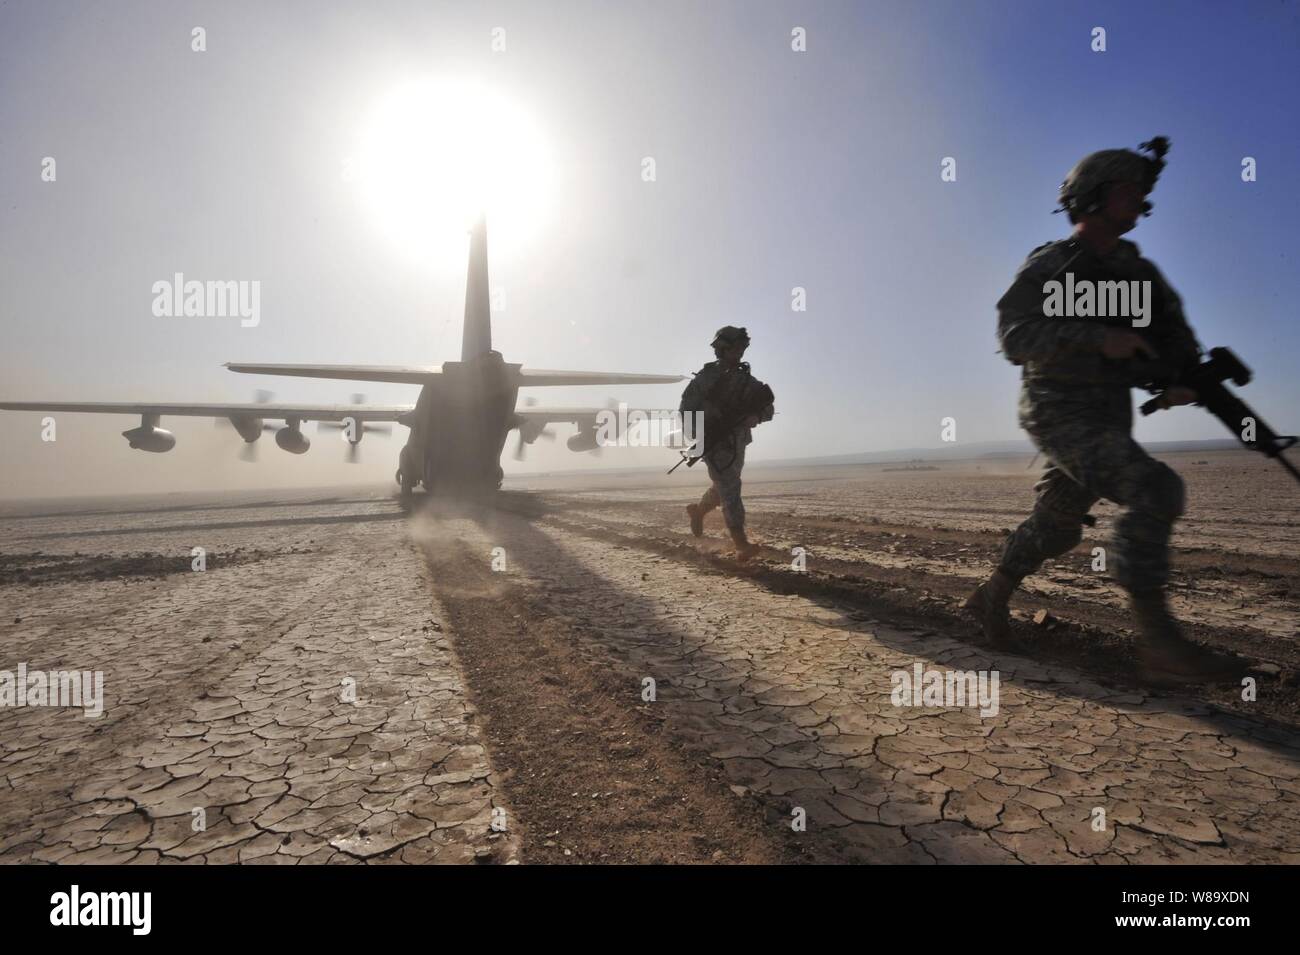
<point>407,487</point>
<point>405,477</point>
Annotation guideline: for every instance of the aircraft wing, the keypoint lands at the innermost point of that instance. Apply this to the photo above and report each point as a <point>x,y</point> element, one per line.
<point>538,417</point>
<point>245,410</point>
<point>422,374</point>
<point>531,424</point>
<point>533,377</point>
<point>401,374</point>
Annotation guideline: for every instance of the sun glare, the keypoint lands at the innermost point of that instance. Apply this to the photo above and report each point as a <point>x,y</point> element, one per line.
<point>437,153</point>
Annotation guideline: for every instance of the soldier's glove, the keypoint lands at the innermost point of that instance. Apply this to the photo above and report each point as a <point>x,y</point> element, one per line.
<point>1176,395</point>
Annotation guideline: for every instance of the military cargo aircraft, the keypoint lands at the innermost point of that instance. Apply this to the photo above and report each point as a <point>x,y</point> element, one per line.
<point>458,425</point>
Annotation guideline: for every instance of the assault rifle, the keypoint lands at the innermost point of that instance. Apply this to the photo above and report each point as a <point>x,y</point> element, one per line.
<point>688,459</point>
<point>697,451</point>
<point>1207,379</point>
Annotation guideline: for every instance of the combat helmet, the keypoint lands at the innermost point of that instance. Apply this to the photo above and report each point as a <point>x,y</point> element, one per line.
<point>729,335</point>
<point>1083,189</point>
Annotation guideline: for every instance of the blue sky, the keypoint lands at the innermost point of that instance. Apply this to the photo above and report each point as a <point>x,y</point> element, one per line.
<point>775,169</point>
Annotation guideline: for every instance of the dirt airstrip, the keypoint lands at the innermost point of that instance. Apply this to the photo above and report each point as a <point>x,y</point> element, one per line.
<point>564,674</point>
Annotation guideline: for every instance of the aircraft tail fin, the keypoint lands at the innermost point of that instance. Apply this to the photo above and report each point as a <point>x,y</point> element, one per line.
<point>476,338</point>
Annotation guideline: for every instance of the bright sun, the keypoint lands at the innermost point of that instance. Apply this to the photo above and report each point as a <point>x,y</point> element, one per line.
<point>437,153</point>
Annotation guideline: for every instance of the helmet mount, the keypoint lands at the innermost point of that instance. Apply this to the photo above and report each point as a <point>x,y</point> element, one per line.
<point>1083,191</point>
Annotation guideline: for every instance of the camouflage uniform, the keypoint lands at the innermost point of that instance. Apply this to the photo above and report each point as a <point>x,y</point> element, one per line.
<point>1076,406</point>
<point>725,489</point>
<point>713,390</point>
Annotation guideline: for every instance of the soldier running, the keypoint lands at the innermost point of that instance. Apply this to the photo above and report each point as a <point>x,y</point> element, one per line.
<point>1076,405</point>
<point>724,390</point>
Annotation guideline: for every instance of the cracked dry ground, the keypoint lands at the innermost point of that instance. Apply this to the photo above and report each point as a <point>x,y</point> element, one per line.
<point>222,693</point>
<point>786,701</point>
<point>765,701</point>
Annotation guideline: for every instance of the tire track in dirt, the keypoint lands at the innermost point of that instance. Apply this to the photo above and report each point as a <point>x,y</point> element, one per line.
<point>1092,636</point>
<point>1243,605</point>
<point>584,762</point>
<point>791,698</point>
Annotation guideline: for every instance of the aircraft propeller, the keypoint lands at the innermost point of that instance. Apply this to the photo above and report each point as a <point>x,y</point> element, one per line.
<point>357,430</point>
<point>249,429</point>
<point>528,433</point>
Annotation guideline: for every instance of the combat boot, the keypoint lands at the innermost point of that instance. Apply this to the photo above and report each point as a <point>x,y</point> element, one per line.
<point>989,605</point>
<point>745,548</point>
<point>1166,655</point>
<point>697,519</point>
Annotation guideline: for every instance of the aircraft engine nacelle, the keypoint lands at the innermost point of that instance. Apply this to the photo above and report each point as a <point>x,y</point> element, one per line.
<point>583,441</point>
<point>292,439</point>
<point>150,438</point>
<point>530,431</point>
<point>250,429</point>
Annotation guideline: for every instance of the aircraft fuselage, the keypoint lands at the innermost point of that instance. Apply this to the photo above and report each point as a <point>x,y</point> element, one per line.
<point>459,425</point>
